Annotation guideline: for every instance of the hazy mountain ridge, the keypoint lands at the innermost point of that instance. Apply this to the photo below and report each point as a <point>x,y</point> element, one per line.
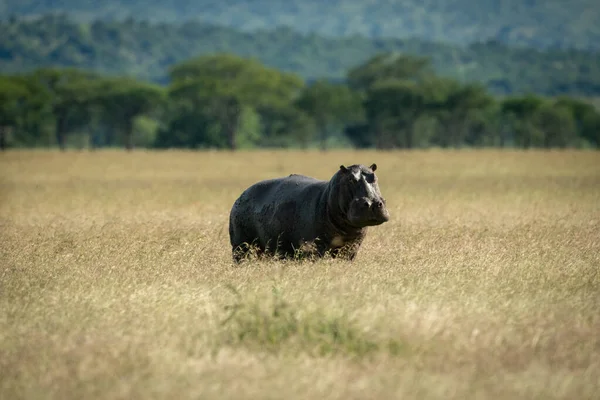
<point>146,50</point>
<point>535,23</point>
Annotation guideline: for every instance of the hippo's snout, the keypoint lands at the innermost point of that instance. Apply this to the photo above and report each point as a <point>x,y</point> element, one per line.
<point>377,204</point>
<point>379,210</point>
<point>369,211</point>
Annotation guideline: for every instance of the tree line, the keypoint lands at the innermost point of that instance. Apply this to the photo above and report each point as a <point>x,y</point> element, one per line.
<point>226,101</point>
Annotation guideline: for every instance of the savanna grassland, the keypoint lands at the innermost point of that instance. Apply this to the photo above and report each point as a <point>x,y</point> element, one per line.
<point>116,280</point>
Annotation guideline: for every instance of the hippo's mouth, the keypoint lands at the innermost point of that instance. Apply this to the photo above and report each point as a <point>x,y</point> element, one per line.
<point>379,215</point>
<point>378,220</point>
<point>370,220</point>
<point>364,212</point>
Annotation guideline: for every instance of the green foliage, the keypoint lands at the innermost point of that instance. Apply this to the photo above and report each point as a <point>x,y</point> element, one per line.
<point>391,105</point>
<point>148,50</point>
<point>331,106</point>
<point>586,117</point>
<point>557,124</point>
<point>249,133</point>
<point>193,130</point>
<point>12,94</point>
<point>226,101</point>
<point>461,115</point>
<point>400,91</point>
<point>520,112</point>
<point>272,324</point>
<point>226,75</point>
<point>122,100</point>
<point>285,125</point>
<point>224,85</point>
<point>71,94</point>
<point>555,23</point>
<point>590,128</point>
<point>388,66</point>
<point>144,132</point>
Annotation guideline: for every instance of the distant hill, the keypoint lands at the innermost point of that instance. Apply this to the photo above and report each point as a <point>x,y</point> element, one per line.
<point>533,23</point>
<point>146,50</point>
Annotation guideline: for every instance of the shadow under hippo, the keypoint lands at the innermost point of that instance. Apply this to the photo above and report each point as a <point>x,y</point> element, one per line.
<point>299,216</point>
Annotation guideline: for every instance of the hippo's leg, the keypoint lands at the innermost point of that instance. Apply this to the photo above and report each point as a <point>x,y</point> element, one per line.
<point>335,252</point>
<point>269,249</point>
<point>241,251</point>
<point>352,254</point>
<point>345,252</point>
<point>323,249</point>
<point>243,241</point>
<point>280,247</point>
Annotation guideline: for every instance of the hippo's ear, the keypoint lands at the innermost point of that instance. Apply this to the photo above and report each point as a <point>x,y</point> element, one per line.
<point>373,167</point>
<point>343,169</point>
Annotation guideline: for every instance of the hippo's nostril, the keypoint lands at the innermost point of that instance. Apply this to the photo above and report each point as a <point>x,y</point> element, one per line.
<point>379,204</point>
<point>365,204</point>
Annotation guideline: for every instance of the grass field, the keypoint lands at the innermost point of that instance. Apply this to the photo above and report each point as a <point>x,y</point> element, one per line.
<point>116,280</point>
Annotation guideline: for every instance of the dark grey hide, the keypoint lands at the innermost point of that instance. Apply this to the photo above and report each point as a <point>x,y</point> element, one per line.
<point>297,215</point>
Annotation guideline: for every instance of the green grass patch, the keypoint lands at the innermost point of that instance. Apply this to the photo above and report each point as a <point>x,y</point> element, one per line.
<point>276,324</point>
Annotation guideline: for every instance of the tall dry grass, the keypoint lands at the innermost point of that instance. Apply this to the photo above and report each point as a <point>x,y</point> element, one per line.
<point>116,280</point>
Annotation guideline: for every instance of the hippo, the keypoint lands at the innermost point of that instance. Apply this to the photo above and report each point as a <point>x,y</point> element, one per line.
<point>299,216</point>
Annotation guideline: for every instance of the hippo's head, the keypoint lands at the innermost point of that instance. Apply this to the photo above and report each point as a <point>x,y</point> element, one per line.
<point>358,196</point>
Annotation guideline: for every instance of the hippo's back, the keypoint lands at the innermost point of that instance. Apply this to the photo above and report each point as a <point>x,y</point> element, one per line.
<point>276,209</point>
<point>280,189</point>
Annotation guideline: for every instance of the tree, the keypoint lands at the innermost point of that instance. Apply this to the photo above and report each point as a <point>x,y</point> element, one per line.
<point>591,128</point>
<point>461,114</point>
<point>586,118</point>
<point>284,124</point>
<point>521,110</point>
<point>386,66</point>
<point>71,92</point>
<point>224,84</point>
<point>34,118</point>
<point>12,95</point>
<point>190,130</point>
<point>390,85</point>
<point>360,135</point>
<point>331,106</point>
<point>24,111</point>
<point>122,100</point>
<point>483,127</point>
<point>392,107</point>
<point>556,124</point>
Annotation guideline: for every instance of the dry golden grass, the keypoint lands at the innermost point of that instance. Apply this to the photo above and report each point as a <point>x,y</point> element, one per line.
<point>116,280</point>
